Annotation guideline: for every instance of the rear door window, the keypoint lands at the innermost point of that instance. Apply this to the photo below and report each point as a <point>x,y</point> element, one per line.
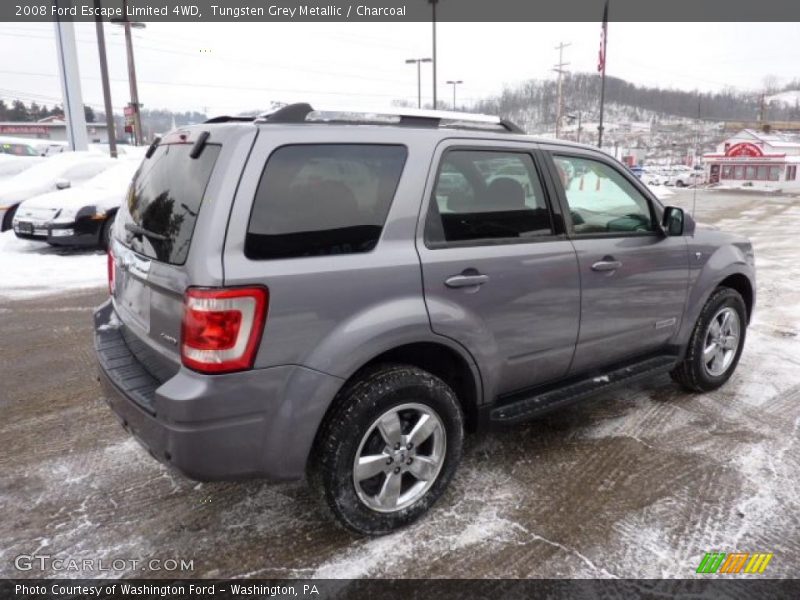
<point>163,202</point>
<point>486,196</point>
<point>323,199</point>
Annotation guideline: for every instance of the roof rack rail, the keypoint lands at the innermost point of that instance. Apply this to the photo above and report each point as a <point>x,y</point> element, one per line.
<point>303,112</point>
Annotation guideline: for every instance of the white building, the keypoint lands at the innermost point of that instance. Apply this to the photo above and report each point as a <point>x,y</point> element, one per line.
<point>753,158</point>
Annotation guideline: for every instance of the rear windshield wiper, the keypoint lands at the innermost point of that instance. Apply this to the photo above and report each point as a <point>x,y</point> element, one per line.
<point>138,230</point>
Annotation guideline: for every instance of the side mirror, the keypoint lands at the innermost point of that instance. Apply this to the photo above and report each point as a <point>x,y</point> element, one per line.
<point>62,184</point>
<point>673,220</point>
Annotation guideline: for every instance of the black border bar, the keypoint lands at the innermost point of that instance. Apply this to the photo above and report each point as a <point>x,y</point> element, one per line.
<point>409,10</point>
<point>705,587</point>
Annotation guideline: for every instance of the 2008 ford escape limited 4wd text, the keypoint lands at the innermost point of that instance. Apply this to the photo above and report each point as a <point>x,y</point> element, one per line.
<point>343,295</point>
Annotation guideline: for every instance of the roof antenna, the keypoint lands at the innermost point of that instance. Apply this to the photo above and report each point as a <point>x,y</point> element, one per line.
<point>696,154</point>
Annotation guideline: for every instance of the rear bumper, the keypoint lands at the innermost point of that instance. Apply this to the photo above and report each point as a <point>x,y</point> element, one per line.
<point>258,423</point>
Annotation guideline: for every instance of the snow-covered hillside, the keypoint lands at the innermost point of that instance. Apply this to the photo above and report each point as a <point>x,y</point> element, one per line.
<point>787,98</point>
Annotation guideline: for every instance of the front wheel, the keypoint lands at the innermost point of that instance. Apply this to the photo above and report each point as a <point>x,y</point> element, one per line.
<point>716,343</point>
<point>388,449</point>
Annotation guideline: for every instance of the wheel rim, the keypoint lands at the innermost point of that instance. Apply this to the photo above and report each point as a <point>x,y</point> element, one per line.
<point>399,457</point>
<point>722,342</point>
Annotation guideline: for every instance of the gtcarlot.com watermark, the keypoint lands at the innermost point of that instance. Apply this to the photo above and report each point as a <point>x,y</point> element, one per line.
<point>62,564</point>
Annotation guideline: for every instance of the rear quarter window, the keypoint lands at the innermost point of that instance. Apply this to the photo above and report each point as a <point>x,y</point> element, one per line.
<point>323,199</point>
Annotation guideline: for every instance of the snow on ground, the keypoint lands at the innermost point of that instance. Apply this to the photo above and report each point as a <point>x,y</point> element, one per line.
<point>32,268</point>
<point>661,191</point>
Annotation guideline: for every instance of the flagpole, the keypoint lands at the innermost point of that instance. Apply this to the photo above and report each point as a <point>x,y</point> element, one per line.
<point>603,75</point>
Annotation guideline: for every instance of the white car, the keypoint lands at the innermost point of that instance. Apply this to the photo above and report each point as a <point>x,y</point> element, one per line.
<point>686,178</point>
<point>55,173</point>
<point>80,216</point>
<point>653,178</point>
<point>14,165</point>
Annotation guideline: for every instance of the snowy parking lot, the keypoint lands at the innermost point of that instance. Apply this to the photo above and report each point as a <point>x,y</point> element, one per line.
<point>638,482</point>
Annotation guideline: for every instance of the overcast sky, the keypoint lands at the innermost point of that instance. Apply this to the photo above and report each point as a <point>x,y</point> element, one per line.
<point>226,68</point>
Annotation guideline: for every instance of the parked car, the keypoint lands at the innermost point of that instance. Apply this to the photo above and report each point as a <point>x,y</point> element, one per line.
<point>637,171</point>
<point>79,216</point>
<point>55,173</point>
<point>685,178</point>
<point>316,293</point>
<point>18,147</point>
<point>13,165</point>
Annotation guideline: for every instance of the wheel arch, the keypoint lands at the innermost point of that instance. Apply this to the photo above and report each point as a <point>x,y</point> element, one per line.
<point>741,284</point>
<point>438,358</point>
<point>444,362</point>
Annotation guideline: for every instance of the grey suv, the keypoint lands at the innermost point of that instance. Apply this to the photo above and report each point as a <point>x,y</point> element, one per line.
<point>344,295</point>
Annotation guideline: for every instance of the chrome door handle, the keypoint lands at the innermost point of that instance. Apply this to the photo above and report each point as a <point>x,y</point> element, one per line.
<point>460,281</point>
<point>606,265</point>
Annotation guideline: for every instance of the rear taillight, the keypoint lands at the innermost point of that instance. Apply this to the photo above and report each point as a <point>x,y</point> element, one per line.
<point>222,328</point>
<point>111,272</point>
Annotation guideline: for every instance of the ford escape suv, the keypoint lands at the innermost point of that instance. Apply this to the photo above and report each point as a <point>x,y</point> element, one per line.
<point>344,295</point>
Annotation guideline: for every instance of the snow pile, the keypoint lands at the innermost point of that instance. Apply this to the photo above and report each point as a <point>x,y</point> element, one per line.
<point>29,268</point>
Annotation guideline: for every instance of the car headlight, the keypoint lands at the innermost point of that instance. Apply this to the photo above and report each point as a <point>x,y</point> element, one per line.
<point>66,215</point>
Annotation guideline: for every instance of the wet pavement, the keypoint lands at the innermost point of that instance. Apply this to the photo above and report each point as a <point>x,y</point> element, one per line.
<point>638,482</point>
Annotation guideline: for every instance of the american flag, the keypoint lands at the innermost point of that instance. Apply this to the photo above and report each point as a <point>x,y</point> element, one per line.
<point>601,61</point>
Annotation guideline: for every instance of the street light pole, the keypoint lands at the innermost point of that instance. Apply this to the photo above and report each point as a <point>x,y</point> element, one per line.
<point>418,61</point>
<point>433,21</point>
<point>101,48</point>
<point>454,83</point>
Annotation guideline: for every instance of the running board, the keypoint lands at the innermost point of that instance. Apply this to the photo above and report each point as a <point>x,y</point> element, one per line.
<point>523,406</point>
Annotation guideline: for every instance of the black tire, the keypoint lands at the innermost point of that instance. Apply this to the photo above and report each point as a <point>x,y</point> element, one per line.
<point>105,232</point>
<point>356,409</point>
<point>8,218</point>
<point>691,372</point>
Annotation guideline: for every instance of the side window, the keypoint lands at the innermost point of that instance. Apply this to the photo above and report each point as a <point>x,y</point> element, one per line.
<point>600,199</point>
<point>323,199</point>
<point>487,195</point>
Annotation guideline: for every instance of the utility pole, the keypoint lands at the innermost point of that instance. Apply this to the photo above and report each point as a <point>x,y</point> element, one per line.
<point>137,117</point>
<point>418,61</point>
<point>70,81</point>
<point>454,83</point>
<point>101,48</point>
<point>433,21</point>
<point>559,68</point>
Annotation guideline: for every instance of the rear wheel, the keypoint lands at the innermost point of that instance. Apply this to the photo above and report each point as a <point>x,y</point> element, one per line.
<point>716,343</point>
<point>105,232</point>
<point>388,449</point>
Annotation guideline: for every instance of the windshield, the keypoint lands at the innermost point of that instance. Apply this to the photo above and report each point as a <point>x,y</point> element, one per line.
<point>50,168</point>
<point>18,149</point>
<point>164,199</point>
<point>118,176</point>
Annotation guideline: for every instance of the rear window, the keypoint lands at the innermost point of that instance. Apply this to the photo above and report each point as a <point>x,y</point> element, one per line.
<point>164,199</point>
<point>319,200</point>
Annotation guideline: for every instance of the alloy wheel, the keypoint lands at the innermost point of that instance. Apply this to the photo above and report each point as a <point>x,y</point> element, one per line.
<point>399,457</point>
<point>721,341</point>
